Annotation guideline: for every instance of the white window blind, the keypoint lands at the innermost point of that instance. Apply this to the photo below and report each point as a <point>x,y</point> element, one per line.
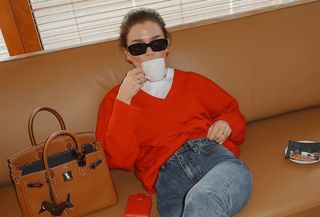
<point>3,48</point>
<point>68,22</point>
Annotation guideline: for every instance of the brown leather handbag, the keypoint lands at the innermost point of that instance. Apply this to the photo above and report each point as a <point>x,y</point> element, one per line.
<point>65,176</point>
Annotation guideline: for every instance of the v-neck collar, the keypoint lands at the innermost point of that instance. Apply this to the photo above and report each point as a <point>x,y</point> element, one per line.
<point>144,94</point>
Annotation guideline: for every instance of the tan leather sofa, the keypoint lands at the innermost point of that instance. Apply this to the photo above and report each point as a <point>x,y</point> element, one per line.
<point>269,62</point>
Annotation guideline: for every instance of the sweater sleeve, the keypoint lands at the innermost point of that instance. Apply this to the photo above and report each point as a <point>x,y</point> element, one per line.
<point>116,126</point>
<point>223,106</point>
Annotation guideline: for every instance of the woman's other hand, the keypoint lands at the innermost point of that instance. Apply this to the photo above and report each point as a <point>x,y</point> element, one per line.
<point>131,84</point>
<point>219,131</point>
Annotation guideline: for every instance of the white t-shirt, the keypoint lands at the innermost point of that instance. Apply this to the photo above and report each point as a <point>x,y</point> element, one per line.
<point>160,89</point>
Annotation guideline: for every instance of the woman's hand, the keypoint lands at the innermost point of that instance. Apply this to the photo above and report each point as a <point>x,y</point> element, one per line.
<point>219,131</point>
<point>131,84</point>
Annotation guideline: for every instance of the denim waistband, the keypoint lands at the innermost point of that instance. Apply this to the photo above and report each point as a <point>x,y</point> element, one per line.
<point>191,145</point>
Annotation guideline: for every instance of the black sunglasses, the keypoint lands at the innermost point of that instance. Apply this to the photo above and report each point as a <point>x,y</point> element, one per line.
<point>141,48</point>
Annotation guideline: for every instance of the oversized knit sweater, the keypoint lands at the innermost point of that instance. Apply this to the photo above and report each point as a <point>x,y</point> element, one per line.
<point>144,134</point>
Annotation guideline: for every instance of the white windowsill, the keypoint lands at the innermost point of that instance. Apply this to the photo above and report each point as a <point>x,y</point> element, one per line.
<point>230,16</point>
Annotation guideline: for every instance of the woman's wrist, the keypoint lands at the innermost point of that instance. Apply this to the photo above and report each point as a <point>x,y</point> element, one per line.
<point>126,100</point>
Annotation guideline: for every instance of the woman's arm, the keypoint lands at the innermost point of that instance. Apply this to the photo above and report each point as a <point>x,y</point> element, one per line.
<point>116,126</point>
<point>231,114</point>
<point>222,106</point>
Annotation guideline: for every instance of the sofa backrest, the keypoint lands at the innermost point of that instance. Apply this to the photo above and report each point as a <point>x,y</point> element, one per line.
<point>269,62</point>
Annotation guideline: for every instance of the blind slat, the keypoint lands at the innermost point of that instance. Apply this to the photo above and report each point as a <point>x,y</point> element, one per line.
<point>3,48</point>
<point>68,22</point>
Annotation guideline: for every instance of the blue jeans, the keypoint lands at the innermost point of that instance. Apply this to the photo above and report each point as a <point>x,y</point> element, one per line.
<point>203,179</point>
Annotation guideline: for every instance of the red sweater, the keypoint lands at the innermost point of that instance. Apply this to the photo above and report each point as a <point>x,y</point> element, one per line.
<point>146,133</point>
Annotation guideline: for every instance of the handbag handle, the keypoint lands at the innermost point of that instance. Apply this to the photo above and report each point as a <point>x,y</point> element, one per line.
<point>34,113</point>
<point>47,145</point>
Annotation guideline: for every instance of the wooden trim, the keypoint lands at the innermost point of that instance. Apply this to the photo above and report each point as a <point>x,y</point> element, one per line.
<point>18,27</point>
<point>9,29</point>
<point>26,25</point>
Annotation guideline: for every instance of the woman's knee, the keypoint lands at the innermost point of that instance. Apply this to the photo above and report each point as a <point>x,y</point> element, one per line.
<point>226,188</point>
<point>238,186</point>
<point>202,200</point>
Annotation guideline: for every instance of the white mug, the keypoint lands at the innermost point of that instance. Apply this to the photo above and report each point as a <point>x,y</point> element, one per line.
<point>154,69</point>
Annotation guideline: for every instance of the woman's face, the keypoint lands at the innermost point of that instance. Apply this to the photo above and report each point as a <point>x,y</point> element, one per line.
<point>145,33</point>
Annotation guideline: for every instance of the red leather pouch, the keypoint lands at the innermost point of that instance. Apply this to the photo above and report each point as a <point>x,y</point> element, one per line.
<point>138,205</point>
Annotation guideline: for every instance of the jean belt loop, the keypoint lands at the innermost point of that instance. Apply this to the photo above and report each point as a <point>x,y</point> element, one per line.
<point>193,145</point>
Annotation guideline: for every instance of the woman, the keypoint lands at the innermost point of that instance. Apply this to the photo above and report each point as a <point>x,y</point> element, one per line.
<point>180,134</point>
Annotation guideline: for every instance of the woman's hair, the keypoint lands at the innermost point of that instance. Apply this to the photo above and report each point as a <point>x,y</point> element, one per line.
<point>140,15</point>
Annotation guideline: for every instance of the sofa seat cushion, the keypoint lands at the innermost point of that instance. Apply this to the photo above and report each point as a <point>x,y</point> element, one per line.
<point>281,187</point>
